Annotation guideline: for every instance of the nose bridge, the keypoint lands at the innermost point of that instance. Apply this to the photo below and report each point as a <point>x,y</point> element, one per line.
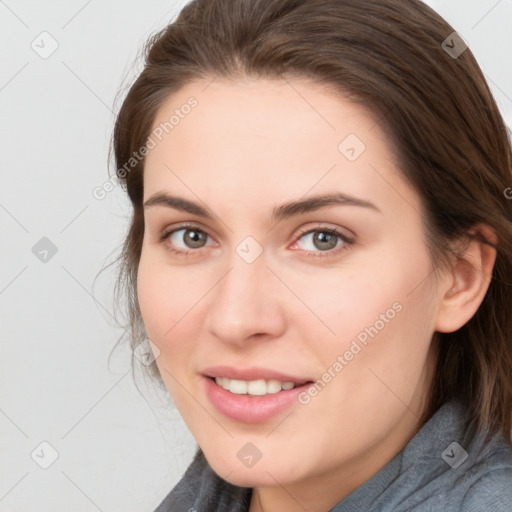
<point>245,301</point>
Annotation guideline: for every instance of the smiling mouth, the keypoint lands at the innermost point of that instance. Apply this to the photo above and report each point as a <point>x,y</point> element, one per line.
<point>259,387</point>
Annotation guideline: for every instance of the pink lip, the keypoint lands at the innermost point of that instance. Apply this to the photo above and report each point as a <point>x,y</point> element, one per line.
<point>252,374</point>
<point>247,408</point>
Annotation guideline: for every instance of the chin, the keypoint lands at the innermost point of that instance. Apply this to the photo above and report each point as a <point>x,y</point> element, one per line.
<point>261,474</point>
<point>251,477</point>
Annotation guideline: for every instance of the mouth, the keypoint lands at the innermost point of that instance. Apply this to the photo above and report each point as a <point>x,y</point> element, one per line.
<point>258,387</point>
<point>252,396</point>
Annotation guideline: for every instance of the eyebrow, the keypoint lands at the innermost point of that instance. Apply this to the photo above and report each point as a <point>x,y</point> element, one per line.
<point>279,213</point>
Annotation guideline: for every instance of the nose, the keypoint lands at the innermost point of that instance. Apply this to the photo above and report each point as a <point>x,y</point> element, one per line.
<point>247,304</point>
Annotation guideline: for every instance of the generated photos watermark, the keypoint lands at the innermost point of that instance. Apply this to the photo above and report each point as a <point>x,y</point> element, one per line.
<point>356,346</point>
<point>156,136</point>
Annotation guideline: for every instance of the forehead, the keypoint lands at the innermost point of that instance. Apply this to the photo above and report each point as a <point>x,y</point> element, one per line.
<point>267,139</point>
<point>261,111</point>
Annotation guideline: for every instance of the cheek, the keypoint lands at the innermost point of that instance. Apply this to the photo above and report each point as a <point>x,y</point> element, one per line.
<point>350,301</point>
<point>383,322</point>
<point>153,296</point>
<point>383,316</point>
<point>164,301</point>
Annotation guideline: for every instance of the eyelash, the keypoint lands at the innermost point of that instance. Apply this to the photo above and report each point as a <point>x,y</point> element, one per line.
<point>347,242</point>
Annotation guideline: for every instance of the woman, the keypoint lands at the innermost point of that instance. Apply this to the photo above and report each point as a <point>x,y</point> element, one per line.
<point>320,253</point>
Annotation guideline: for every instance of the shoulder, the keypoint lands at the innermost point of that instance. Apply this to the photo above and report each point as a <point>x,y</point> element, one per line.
<point>482,482</point>
<point>449,469</point>
<point>491,491</point>
<point>490,486</point>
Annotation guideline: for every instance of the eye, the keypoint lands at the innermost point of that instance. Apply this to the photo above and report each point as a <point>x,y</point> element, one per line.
<point>187,238</point>
<point>183,238</point>
<point>324,240</point>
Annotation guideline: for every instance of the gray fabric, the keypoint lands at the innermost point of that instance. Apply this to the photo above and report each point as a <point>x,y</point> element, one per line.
<point>417,479</point>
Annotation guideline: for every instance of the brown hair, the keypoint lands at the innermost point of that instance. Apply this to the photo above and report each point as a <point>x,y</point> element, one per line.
<point>442,122</point>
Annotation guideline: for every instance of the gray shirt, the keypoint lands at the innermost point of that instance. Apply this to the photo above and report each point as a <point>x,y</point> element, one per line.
<point>438,470</point>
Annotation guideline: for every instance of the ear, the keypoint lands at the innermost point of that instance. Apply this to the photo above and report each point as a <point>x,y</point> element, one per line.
<point>464,287</point>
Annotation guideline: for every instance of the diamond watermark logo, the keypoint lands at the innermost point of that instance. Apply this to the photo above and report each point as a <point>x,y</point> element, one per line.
<point>249,455</point>
<point>249,249</point>
<point>351,147</point>
<point>44,250</point>
<point>146,352</point>
<point>44,45</point>
<point>454,455</point>
<point>44,455</point>
<point>454,45</point>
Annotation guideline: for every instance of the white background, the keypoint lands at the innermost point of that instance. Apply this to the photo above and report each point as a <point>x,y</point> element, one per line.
<point>118,449</point>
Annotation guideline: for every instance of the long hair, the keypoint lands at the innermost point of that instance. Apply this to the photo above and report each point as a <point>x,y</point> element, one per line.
<point>407,65</point>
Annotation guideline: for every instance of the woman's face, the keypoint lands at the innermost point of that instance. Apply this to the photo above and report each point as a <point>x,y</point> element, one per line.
<point>264,291</point>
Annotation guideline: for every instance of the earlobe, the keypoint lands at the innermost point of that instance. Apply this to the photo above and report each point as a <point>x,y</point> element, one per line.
<point>466,285</point>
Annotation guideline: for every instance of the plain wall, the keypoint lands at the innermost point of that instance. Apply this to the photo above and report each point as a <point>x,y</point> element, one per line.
<point>118,449</point>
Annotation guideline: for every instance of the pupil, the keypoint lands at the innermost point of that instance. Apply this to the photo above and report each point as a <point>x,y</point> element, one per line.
<point>323,238</point>
<point>194,238</point>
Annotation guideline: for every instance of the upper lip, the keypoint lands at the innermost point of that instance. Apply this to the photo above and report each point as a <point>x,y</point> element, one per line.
<point>253,373</point>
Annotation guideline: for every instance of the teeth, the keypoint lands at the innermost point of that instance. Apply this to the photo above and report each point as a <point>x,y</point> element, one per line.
<point>238,387</point>
<point>253,387</point>
<point>257,387</point>
<point>273,386</point>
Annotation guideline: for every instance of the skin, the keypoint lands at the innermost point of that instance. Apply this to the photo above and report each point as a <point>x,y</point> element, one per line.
<point>248,146</point>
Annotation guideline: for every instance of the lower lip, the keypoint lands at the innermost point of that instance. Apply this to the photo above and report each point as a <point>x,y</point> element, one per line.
<point>248,408</point>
